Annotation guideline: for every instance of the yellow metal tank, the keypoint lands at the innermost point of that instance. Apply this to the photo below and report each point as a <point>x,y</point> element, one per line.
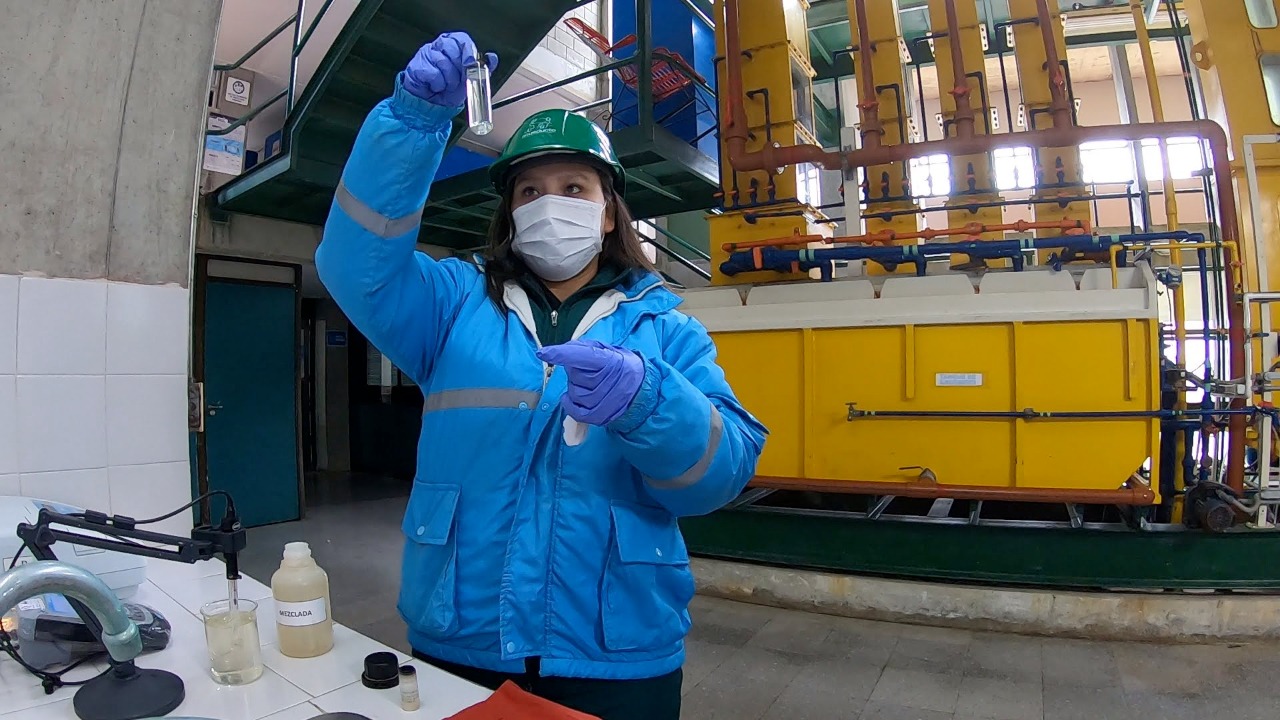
<point>988,362</point>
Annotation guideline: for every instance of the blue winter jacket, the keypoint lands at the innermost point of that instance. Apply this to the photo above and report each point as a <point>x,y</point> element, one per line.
<point>517,544</point>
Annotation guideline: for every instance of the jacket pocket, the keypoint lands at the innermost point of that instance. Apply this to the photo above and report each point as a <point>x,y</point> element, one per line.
<point>647,584</point>
<point>428,573</point>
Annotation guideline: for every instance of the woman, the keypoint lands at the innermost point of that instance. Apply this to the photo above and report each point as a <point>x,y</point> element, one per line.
<point>535,553</point>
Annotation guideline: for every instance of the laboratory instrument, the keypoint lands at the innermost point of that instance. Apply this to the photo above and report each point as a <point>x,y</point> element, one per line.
<point>304,624</point>
<point>479,96</point>
<point>123,572</point>
<point>124,691</point>
<point>231,635</point>
<point>49,634</point>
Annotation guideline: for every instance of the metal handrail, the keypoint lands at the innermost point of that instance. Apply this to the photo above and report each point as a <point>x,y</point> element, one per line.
<point>682,260</point>
<point>533,92</point>
<point>679,240</point>
<point>299,42</point>
<point>249,116</point>
<point>261,44</point>
<point>697,13</point>
<point>314,23</point>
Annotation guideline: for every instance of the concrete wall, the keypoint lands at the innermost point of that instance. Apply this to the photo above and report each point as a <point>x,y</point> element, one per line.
<point>101,136</point>
<point>247,236</point>
<point>101,130</point>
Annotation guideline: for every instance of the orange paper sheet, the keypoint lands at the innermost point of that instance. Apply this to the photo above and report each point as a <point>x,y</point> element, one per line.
<point>512,703</point>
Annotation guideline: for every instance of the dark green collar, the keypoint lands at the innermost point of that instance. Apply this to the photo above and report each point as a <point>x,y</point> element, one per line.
<point>556,320</point>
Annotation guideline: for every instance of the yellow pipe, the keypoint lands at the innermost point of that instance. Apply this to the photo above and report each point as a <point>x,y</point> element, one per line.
<point>1229,245</point>
<point>1171,222</point>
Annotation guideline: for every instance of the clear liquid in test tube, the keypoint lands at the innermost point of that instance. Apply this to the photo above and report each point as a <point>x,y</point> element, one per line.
<point>479,97</point>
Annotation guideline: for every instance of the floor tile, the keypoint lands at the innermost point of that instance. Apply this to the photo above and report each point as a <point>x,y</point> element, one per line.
<point>842,679</point>
<point>1000,699</point>
<point>882,711</point>
<point>1005,657</point>
<point>933,656</point>
<point>918,689</point>
<point>815,707</point>
<point>391,632</point>
<point>862,640</point>
<point>793,632</point>
<point>744,687</point>
<point>1079,662</point>
<point>702,659</point>
<point>1074,702</point>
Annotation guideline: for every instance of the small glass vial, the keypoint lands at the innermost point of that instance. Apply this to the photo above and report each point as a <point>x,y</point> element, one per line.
<point>409,688</point>
<point>479,97</point>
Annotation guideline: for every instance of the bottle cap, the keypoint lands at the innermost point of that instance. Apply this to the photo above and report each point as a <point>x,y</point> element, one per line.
<point>297,550</point>
<point>408,670</point>
<point>381,671</point>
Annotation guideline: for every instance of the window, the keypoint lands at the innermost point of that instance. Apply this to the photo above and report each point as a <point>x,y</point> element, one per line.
<point>1015,168</point>
<point>809,184</point>
<point>1270,63</point>
<point>1262,13</point>
<point>930,175</point>
<point>1107,161</point>
<point>1185,158</point>
<point>648,239</point>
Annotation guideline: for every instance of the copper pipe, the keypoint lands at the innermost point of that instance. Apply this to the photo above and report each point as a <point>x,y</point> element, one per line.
<point>1072,227</point>
<point>1063,134</point>
<point>735,134</point>
<point>1066,136</point>
<point>1140,495</point>
<point>964,107</point>
<point>872,128</point>
<point>1060,104</point>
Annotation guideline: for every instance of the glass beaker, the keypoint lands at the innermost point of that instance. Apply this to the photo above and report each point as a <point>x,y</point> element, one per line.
<point>231,634</point>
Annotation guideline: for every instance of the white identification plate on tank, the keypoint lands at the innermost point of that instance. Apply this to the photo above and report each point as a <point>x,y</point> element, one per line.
<point>300,614</point>
<point>958,379</point>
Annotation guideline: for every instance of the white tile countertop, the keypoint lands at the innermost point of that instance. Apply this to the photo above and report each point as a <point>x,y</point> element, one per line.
<point>289,689</point>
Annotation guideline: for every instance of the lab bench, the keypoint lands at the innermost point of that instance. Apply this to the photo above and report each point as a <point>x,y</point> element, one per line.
<point>289,689</point>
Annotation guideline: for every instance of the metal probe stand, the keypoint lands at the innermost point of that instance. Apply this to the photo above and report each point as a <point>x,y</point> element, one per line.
<point>127,692</point>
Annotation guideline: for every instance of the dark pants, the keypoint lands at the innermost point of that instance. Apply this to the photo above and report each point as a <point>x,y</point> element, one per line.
<point>652,699</point>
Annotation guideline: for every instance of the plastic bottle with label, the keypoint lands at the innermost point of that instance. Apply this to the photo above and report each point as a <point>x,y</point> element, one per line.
<point>301,591</point>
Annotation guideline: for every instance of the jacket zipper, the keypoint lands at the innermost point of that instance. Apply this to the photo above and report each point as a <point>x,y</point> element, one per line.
<point>555,318</point>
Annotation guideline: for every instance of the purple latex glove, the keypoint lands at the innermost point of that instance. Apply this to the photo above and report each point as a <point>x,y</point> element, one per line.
<point>438,73</point>
<point>603,379</point>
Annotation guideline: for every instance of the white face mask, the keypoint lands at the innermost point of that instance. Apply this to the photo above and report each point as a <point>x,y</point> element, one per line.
<point>558,236</point>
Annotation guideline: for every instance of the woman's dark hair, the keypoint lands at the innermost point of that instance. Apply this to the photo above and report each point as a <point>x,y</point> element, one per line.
<point>622,245</point>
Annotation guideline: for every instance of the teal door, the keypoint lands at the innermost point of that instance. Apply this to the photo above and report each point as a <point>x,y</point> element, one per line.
<point>251,416</point>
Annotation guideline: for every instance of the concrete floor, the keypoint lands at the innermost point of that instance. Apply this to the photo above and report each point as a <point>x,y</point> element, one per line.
<point>748,663</point>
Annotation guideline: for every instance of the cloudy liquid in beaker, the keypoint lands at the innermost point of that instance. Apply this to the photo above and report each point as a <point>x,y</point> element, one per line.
<point>235,654</point>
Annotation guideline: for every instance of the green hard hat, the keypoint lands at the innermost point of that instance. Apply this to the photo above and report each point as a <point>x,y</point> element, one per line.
<point>557,132</point>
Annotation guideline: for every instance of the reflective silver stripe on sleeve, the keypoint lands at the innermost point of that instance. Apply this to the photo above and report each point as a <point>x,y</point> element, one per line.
<point>372,220</point>
<point>695,473</point>
<point>494,398</point>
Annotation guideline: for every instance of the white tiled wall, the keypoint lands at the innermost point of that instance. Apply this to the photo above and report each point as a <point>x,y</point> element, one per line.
<point>561,53</point>
<point>565,43</point>
<point>93,395</point>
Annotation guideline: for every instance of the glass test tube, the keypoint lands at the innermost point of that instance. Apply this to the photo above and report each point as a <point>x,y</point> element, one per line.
<point>479,97</point>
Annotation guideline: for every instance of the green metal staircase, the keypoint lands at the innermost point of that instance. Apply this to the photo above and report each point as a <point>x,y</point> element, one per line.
<point>667,175</point>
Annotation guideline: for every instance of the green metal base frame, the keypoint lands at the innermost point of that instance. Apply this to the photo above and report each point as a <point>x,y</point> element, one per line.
<point>1092,557</point>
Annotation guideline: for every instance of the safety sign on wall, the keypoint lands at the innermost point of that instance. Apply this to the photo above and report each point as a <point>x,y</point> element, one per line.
<point>238,90</point>
<point>224,153</point>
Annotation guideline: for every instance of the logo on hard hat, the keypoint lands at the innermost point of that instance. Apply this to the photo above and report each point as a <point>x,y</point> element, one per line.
<point>540,126</point>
